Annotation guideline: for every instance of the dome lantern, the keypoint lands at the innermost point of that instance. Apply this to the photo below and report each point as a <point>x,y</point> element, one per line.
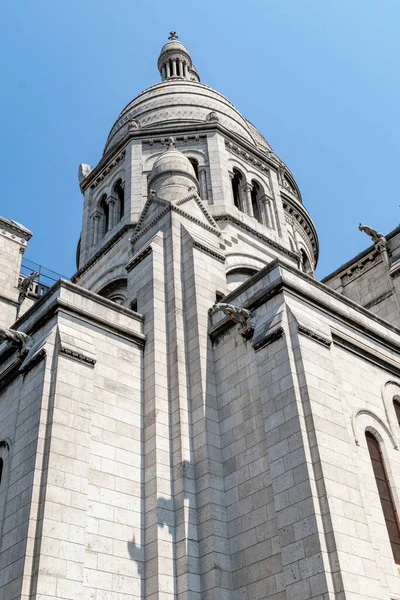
<point>175,61</point>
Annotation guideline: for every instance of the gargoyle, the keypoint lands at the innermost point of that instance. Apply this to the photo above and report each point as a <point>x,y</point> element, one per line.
<point>373,234</point>
<point>237,314</point>
<point>20,340</point>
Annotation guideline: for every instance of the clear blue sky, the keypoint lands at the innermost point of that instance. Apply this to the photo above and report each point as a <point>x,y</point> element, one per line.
<point>319,78</point>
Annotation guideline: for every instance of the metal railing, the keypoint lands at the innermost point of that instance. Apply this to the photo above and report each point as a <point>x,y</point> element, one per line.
<point>46,278</point>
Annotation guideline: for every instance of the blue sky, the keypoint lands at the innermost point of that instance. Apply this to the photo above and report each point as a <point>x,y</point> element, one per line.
<point>319,78</point>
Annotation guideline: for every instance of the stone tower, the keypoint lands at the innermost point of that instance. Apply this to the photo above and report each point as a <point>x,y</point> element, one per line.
<point>195,417</point>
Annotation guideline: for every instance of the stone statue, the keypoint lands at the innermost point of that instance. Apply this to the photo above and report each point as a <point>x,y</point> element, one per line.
<point>15,338</point>
<point>237,314</point>
<point>171,143</point>
<point>373,234</point>
<point>84,171</point>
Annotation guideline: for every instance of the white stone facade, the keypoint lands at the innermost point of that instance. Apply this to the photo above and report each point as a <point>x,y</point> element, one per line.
<point>154,449</point>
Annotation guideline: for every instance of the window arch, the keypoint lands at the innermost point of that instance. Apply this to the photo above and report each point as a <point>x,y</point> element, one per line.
<point>105,214</point>
<point>396,405</point>
<point>305,262</point>
<point>237,276</point>
<point>385,494</point>
<point>116,291</point>
<point>119,192</point>
<point>237,189</point>
<point>256,194</point>
<point>195,165</point>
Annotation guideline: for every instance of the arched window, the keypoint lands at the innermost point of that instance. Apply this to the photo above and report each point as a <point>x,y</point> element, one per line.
<point>237,276</point>
<point>237,186</point>
<point>105,214</point>
<point>382,482</point>
<point>255,200</point>
<point>195,166</point>
<point>306,265</point>
<point>120,195</point>
<point>396,405</point>
<point>116,291</point>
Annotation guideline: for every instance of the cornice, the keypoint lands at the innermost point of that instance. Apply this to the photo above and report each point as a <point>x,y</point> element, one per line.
<point>281,284</point>
<point>78,356</point>
<point>294,209</point>
<point>100,172</point>
<point>102,251</point>
<point>138,258</point>
<point>230,219</point>
<point>209,251</point>
<point>13,228</point>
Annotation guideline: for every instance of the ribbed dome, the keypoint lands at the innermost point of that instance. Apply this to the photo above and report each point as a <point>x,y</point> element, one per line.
<point>179,101</point>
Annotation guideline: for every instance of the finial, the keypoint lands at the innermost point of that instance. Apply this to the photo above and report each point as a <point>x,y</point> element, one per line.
<point>172,36</point>
<point>171,144</point>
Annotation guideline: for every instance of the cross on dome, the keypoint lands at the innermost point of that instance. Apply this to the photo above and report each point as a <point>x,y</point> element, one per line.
<point>175,61</point>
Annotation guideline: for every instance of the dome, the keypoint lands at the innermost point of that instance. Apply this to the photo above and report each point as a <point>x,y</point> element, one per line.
<point>172,161</point>
<point>179,101</point>
<point>172,175</point>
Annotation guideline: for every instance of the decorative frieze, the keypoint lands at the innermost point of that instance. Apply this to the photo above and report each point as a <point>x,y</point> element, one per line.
<point>187,140</point>
<point>78,356</point>
<point>360,267</point>
<point>247,157</point>
<point>295,216</point>
<point>107,169</point>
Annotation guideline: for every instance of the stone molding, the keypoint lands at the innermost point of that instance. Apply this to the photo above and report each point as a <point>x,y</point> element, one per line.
<point>187,140</point>
<point>103,250</point>
<point>141,255</point>
<point>248,157</point>
<point>78,356</point>
<point>362,266</point>
<point>230,219</point>
<point>379,299</point>
<point>314,335</point>
<point>12,229</point>
<point>174,207</point>
<point>371,414</point>
<point>268,339</point>
<point>105,171</point>
<point>303,224</point>
<point>209,251</point>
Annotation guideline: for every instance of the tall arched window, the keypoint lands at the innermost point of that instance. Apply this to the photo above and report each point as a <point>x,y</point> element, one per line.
<point>237,183</point>
<point>255,200</point>
<point>195,166</point>
<point>105,214</point>
<point>396,405</point>
<point>385,494</point>
<point>306,265</point>
<point>120,194</point>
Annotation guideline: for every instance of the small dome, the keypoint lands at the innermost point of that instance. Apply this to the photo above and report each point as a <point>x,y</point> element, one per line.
<point>172,161</point>
<point>172,175</point>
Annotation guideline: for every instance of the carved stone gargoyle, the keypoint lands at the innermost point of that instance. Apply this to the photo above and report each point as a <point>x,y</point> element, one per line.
<point>20,340</point>
<point>237,314</point>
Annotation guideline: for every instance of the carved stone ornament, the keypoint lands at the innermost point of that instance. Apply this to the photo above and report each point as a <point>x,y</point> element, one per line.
<point>378,238</point>
<point>20,340</point>
<point>24,286</point>
<point>237,314</point>
<point>212,117</point>
<point>84,171</point>
<point>134,125</point>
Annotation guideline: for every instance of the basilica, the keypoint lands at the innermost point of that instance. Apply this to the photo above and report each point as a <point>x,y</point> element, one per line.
<point>194,416</point>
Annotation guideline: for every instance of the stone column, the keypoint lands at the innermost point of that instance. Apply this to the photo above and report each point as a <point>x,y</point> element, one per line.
<point>264,211</point>
<point>203,185</point>
<point>163,72</point>
<point>185,70</point>
<point>168,70</point>
<point>174,68</point>
<point>96,228</point>
<point>180,67</point>
<point>112,212</point>
<point>247,189</point>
